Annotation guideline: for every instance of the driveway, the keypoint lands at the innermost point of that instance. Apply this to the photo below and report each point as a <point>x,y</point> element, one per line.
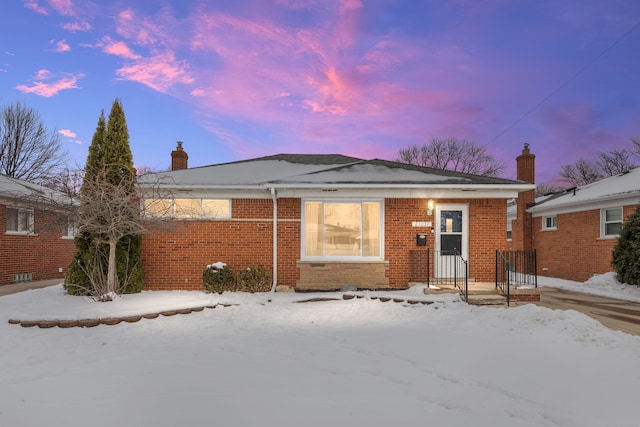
<point>615,314</point>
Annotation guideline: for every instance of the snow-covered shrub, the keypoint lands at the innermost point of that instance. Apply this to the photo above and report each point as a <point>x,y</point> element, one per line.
<point>254,279</point>
<point>219,277</point>
<point>626,253</point>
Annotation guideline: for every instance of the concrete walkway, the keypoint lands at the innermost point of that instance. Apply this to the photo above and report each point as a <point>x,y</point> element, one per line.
<point>615,314</point>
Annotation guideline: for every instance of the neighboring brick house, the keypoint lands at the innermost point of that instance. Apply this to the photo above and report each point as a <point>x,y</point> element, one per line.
<point>36,243</point>
<point>320,222</point>
<point>574,231</point>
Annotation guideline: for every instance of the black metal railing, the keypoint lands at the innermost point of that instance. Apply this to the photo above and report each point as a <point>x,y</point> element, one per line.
<point>517,269</point>
<point>450,269</point>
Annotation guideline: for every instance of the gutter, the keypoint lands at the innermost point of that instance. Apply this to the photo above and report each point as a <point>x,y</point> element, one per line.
<point>274,199</point>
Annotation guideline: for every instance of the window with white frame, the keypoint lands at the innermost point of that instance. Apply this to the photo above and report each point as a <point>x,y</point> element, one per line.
<point>20,220</point>
<point>69,229</point>
<point>549,222</point>
<point>342,229</point>
<point>186,208</point>
<point>610,222</point>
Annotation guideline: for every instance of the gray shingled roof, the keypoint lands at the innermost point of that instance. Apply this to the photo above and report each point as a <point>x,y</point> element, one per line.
<point>302,170</point>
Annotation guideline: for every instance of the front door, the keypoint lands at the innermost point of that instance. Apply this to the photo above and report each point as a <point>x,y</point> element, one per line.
<point>451,237</point>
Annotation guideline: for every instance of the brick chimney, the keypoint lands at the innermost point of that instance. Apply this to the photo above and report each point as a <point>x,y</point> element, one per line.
<point>179,158</point>
<point>522,231</point>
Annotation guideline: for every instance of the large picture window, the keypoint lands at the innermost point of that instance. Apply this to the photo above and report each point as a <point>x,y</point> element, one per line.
<point>342,229</point>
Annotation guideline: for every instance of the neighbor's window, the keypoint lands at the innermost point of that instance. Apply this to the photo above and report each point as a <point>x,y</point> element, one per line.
<point>611,222</point>
<point>188,208</point>
<point>549,222</point>
<point>342,229</point>
<point>69,229</point>
<point>20,220</point>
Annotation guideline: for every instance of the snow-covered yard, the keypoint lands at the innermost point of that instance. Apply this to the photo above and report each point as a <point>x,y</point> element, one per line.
<point>269,361</point>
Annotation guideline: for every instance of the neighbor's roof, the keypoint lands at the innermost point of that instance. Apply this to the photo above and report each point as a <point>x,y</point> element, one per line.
<point>316,170</point>
<point>618,189</point>
<point>13,188</point>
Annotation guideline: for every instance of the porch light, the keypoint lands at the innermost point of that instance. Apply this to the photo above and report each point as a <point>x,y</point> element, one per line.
<point>430,205</point>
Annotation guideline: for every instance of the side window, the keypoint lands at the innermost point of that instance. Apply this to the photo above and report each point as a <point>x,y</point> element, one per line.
<point>20,220</point>
<point>549,222</point>
<point>610,222</point>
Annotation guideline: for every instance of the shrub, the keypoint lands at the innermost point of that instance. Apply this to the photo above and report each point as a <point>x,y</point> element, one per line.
<point>219,277</point>
<point>254,279</point>
<point>626,253</point>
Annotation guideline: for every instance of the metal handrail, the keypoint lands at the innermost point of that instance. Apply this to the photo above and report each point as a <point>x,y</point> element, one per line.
<point>456,272</point>
<point>515,268</point>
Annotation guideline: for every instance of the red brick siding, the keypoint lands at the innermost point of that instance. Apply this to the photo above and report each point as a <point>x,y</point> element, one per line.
<point>175,257</point>
<point>487,224</point>
<point>41,254</point>
<point>574,251</point>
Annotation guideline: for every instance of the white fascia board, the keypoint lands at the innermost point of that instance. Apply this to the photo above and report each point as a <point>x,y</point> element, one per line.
<point>389,193</point>
<point>614,201</point>
<point>482,191</point>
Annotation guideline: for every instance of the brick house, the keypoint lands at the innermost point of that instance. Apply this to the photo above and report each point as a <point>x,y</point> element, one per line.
<point>573,231</point>
<point>320,222</point>
<point>36,243</point>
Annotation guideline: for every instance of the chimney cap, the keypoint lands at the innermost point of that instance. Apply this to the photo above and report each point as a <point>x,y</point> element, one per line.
<point>526,145</point>
<point>179,144</point>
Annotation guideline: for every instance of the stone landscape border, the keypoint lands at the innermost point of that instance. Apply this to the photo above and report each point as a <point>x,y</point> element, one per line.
<point>90,323</point>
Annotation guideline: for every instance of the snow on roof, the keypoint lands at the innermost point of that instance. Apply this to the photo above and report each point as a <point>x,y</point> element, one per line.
<point>12,188</point>
<point>614,188</point>
<point>293,169</point>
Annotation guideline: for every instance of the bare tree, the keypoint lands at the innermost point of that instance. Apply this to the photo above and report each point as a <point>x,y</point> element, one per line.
<point>615,162</point>
<point>581,173</point>
<point>27,151</point>
<point>453,154</point>
<point>109,211</point>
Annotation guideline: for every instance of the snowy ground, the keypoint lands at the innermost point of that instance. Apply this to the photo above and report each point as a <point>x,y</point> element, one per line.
<point>269,361</point>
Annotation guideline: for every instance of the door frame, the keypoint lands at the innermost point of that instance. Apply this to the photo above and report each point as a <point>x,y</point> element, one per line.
<point>464,251</point>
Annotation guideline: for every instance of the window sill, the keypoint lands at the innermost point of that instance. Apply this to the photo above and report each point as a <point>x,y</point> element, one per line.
<point>20,233</point>
<point>549,229</point>
<point>609,237</point>
<point>342,261</point>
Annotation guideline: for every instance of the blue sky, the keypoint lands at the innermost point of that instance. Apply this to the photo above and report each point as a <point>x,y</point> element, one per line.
<point>243,79</point>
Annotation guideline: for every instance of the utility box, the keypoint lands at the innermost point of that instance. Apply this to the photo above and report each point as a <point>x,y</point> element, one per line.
<point>421,239</point>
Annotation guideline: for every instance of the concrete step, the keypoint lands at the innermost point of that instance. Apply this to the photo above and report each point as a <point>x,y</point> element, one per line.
<point>486,299</point>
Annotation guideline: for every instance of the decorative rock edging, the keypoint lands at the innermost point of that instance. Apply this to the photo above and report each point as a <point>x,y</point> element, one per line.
<point>109,321</point>
<point>386,299</point>
<point>90,323</point>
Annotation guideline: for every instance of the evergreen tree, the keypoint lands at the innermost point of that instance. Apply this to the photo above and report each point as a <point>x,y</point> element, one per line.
<point>109,156</point>
<point>626,253</point>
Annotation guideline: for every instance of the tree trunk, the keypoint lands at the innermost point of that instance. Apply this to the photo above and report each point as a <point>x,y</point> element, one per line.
<point>112,273</point>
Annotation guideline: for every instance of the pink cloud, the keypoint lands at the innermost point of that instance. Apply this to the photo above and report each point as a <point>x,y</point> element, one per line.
<point>159,72</point>
<point>67,133</point>
<point>48,90</point>
<point>118,49</point>
<point>33,5</point>
<point>63,7</point>
<point>198,92</point>
<point>77,26</point>
<point>42,74</point>
<point>61,46</point>
<point>145,30</point>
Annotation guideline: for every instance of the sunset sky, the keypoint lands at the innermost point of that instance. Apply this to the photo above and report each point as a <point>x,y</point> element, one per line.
<point>248,78</point>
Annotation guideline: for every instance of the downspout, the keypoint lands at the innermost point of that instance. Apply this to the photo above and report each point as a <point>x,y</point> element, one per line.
<point>274,199</point>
